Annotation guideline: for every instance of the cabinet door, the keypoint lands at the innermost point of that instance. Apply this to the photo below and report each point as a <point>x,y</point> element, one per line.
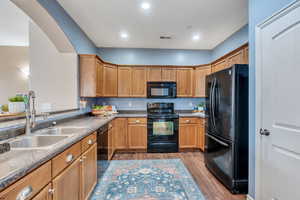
<point>45,194</point>
<point>154,74</point>
<point>88,76</point>
<point>99,85</point>
<point>222,64</point>
<point>89,171</point>
<point>124,81</point>
<point>185,82</point>
<point>201,134</point>
<point>246,55</point>
<point>138,83</point>
<point>188,136</point>
<point>110,142</point>
<point>236,58</point>
<point>67,185</point>
<point>120,133</point>
<point>200,75</point>
<point>168,74</point>
<point>110,81</point>
<point>137,136</point>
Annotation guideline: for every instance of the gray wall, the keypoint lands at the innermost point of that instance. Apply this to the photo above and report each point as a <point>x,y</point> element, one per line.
<point>259,10</point>
<point>131,56</point>
<point>141,103</point>
<point>79,40</point>
<point>233,42</point>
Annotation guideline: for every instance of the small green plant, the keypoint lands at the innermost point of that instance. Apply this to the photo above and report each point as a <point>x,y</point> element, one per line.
<point>16,99</point>
<point>4,108</point>
<point>202,104</point>
<point>97,107</point>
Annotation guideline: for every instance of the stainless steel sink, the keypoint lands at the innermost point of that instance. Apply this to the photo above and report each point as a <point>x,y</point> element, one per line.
<point>36,142</point>
<point>60,131</point>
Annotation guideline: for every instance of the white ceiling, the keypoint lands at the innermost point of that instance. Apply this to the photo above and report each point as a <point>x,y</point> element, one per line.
<point>14,25</point>
<point>104,20</point>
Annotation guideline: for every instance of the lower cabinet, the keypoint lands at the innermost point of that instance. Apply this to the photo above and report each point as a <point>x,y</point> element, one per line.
<point>137,133</point>
<point>66,186</point>
<point>110,145</point>
<point>191,133</point>
<point>45,194</point>
<point>89,172</point>
<point>188,136</point>
<point>120,133</point>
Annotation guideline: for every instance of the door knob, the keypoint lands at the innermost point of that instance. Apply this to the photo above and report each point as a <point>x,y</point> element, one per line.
<point>264,132</point>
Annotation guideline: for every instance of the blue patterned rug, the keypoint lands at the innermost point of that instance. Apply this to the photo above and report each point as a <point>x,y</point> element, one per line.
<point>146,180</point>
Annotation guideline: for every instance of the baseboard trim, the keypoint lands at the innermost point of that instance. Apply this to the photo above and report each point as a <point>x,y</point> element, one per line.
<point>249,197</point>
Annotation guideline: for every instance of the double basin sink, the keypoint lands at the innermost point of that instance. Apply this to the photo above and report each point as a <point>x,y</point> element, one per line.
<point>44,138</point>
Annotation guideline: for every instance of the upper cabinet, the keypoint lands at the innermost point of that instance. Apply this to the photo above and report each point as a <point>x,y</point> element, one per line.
<point>110,80</point>
<point>200,76</point>
<point>138,82</point>
<point>185,77</point>
<point>154,74</point>
<point>124,81</point>
<point>169,74</point>
<point>89,72</point>
<point>100,79</point>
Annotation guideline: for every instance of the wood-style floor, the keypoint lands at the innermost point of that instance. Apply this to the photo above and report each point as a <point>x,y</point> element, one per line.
<point>194,161</point>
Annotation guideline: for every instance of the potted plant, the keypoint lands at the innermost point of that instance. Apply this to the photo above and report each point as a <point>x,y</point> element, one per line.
<point>16,104</point>
<point>201,106</point>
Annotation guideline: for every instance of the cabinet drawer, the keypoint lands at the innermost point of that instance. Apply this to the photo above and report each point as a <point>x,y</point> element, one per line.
<point>64,159</point>
<point>30,185</point>
<point>88,141</point>
<point>137,120</point>
<point>189,120</point>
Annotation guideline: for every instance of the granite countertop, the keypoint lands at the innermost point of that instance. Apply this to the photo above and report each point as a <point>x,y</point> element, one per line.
<point>17,163</point>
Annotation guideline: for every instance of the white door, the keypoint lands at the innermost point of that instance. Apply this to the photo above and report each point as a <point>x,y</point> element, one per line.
<point>278,87</point>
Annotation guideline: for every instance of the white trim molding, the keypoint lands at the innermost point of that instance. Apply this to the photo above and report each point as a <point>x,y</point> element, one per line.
<point>249,197</point>
<point>259,95</point>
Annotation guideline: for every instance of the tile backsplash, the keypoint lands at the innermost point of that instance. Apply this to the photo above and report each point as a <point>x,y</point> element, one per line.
<point>141,103</point>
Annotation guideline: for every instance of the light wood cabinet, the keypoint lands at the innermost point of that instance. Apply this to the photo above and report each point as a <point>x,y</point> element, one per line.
<point>67,185</point>
<point>110,81</point>
<point>90,76</point>
<point>99,77</point>
<point>154,74</point>
<point>188,136</point>
<point>138,82</point>
<point>89,171</point>
<point>137,133</point>
<point>185,80</point>
<point>120,133</point>
<point>45,194</point>
<point>124,81</point>
<point>30,185</point>
<point>246,55</point>
<point>191,133</point>
<point>169,74</point>
<point>236,58</point>
<point>220,65</point>
<point>200,76</point>
<point>110,141</point>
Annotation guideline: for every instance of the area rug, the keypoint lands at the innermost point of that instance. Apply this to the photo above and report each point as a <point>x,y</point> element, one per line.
<point>146,180</point>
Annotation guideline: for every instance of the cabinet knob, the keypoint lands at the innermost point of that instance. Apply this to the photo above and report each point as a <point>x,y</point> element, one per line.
<point>90,141</point>
<point>69,158</point>
<point>137,121</point>
<point>51,191</point>
<point>25,193</point>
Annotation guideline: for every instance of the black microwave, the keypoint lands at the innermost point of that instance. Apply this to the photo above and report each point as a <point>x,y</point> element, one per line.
<point>161,90</point>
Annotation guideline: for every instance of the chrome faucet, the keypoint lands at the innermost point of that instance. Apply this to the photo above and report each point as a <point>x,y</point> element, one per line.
<point>30,113</point>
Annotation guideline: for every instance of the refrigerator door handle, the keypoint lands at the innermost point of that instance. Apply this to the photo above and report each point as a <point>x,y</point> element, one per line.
<point>213,104</point>
<point>210,102</point>
<point>217,140</point>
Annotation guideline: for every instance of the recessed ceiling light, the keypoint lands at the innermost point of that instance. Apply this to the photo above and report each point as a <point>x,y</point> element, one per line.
<point>124,35</point>
<point>145,5</point>
<point>196,37</point>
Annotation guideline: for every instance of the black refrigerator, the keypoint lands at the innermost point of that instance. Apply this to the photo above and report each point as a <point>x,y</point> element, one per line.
<point>226,131</point>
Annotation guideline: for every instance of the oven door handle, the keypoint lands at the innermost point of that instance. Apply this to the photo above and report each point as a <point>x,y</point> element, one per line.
<point>217,140</point>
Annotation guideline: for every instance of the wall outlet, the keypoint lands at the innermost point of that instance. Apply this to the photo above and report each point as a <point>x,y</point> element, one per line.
<point>130,104</point>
